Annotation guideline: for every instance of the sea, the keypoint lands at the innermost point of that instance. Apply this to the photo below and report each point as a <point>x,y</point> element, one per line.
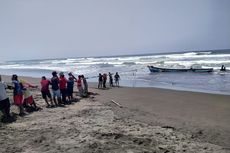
<point>134,72</point>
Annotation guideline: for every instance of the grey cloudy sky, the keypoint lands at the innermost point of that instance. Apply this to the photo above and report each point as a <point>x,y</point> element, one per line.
<point>31,29</point>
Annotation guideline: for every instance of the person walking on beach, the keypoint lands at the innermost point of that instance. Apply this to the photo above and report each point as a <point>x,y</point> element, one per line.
<point>104,78</point>
<point>110,79</point>
<point>17,94</point>
<point>100,81</point>
<point>28,102</point>
<point>70,86</point>
<point>79,86</point>
<point>55,88</point>
<point>45,91</point>
<point>117,78</point>
<point>63,86</point>
<point>85,86</point>
<point>4,101</point>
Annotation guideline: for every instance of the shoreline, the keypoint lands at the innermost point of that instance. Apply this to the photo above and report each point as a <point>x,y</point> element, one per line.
<point>37,79</point>
<point>189,116</point>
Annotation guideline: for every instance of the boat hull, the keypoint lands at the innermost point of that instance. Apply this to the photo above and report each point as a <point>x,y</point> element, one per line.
<point>157,69</point>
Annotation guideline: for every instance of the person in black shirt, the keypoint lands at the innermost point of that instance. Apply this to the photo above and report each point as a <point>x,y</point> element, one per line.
<point>55,88</point>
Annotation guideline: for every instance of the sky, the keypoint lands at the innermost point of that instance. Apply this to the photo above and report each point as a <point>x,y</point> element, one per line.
<point>35,29</point>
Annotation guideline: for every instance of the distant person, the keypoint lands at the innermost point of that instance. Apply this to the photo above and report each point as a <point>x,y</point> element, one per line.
<point>85,86</point>
<point>104,78</point>
<point>70,86</point>
<point>63,86</point>
<point>46,92</point>
<point>117,78</point>
<point>4,101</point>
<point>79,85</point>
<point>18,94</point>
<point>223,68</point>
<point>56,89</point>
<point>100,80</point>
<point>110,79</point>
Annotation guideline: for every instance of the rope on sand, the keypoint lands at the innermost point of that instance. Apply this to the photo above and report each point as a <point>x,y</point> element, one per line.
<point>116,103</point>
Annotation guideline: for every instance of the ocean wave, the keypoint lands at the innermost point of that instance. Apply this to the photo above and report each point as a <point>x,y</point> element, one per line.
<point>204,53</point>
<point>103,65</point>
<point>129,63</point>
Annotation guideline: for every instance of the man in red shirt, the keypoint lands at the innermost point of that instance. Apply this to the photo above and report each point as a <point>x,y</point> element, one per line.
<point>45,91</point>
<point>63,86</point>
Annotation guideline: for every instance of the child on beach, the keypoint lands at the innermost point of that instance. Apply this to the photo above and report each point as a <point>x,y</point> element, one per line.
<point>17,94</point>
<point>4,101</point>
<point>45,91</point>
<point>28,101</point>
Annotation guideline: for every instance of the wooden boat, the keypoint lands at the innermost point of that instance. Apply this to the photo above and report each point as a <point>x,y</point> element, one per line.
<point>157,69</point>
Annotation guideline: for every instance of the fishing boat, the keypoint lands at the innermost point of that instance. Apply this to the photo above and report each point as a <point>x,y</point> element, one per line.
<point>157,69</point>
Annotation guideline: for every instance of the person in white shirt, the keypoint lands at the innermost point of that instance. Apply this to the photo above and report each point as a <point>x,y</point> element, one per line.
<point>4,101</point>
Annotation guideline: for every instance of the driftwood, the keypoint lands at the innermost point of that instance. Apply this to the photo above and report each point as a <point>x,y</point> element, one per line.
<point>116,103</point>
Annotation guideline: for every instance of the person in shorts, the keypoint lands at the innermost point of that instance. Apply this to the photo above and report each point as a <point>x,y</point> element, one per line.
<point>55,88</point>
<point>46,92</point>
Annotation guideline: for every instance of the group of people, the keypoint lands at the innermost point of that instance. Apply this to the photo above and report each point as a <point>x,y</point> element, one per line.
<point>62,92</point>
<point>62,88</point>
<point>22,97</point>
<point>102,79</point>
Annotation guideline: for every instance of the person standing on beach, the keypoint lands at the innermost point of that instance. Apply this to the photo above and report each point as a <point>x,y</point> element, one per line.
<point>4,101</point>
<point>79,86</point>
<point>110,79</point>
<point>45,91</point>
<point>117,78</point>
<point>17,94</point>
<point>99,81</point>
<point>70,86</point>
<point>63,86</point>
<point>85,86</point>
<point>104,78</point>
<point>55,88</point>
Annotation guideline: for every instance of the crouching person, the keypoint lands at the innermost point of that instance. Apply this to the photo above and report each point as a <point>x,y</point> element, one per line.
<point>28,101</point>
<point>4,102</point>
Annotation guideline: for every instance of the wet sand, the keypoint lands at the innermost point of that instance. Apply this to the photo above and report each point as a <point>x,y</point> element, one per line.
<point>150,120</point>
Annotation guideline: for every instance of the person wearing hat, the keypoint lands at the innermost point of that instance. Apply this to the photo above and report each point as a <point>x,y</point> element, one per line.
<point>55,88</point>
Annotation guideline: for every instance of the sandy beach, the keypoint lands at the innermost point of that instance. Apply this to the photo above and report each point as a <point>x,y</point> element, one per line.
<point>117,120</point>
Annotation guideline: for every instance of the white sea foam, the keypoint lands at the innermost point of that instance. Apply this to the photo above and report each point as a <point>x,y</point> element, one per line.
<point>135,68</point>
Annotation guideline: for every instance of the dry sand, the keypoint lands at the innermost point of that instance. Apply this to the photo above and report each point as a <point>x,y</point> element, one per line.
<point>150,120</point>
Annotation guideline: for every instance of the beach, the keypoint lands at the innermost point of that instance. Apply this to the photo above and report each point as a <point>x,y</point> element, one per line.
<point>123,119</point>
